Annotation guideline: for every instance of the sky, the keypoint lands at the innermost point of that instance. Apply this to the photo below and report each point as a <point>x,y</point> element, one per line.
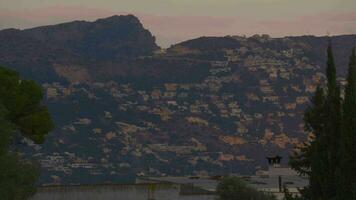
<point>173,21</point>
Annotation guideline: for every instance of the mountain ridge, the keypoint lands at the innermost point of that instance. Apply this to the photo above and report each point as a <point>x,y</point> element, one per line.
<point>110,39</point>
<point>92,45</point>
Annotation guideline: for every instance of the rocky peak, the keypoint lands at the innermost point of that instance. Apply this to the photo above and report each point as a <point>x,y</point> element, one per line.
<point>111,39</point>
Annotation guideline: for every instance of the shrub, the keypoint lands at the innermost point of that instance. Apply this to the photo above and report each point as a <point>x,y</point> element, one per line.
<point>233,188</point>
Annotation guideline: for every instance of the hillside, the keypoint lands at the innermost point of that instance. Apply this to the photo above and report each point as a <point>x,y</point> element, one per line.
<point>207,106</point>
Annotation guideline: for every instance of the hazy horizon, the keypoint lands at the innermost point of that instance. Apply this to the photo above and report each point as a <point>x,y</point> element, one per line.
<point>174,21</point>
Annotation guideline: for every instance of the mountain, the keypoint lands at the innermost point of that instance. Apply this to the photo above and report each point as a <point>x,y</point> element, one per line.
<point>207,106</point>
<point>35,52</point>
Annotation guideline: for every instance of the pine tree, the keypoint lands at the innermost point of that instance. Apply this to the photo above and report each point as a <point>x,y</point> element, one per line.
<point>20,112</point>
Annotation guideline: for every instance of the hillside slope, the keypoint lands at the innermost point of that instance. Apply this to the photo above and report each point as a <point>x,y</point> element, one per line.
<point>208,106</point>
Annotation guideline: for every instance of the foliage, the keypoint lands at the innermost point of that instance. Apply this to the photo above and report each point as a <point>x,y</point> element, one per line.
<point>20,105</point>
<point>328,158</point>
<point>5,135</point>
<point>232,188</point>
<point>348,140</point>
<point>20,111</point>
<point>290,196</point>
<point>17,177</point>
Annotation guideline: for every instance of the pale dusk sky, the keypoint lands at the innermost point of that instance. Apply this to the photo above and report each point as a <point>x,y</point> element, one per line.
<point>173,21</point>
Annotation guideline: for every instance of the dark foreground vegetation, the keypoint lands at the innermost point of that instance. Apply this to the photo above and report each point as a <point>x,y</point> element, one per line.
<point>328,159</point>
<point>233,188</point>
<point>20,113</point>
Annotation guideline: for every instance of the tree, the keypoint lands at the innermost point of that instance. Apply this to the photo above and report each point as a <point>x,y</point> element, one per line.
<point>290,196</point>
<point>348,142</point>
<point>302,161</point>
<point>20,112</point>
<point>17,177</point>
<point>319,158</point>
<point>328,146</point>
<point>232,188</point>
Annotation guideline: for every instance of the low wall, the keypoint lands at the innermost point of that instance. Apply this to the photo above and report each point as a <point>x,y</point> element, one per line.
<point>153,191</point>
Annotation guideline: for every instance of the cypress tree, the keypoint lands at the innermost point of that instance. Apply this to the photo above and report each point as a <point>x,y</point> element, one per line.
<point>314,120</point>
<point>319,159</point>
<point>307,160</point>
<point>331,72</point>
<point>328,145</point>
<point>347,186</point>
